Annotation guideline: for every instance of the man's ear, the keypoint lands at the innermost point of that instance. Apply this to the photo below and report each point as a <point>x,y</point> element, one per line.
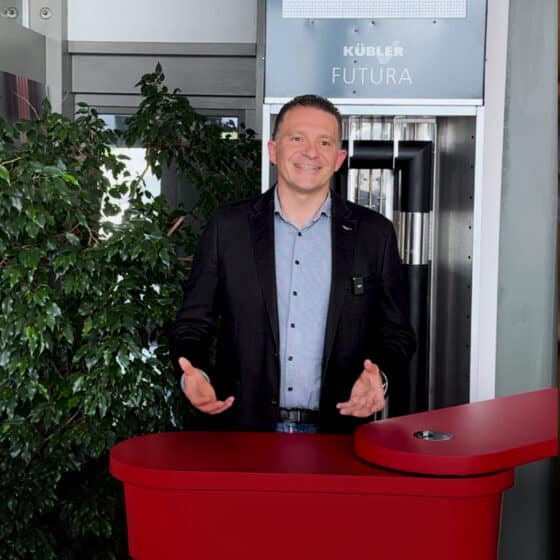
<point>340,159</point>
<point>272,151</point>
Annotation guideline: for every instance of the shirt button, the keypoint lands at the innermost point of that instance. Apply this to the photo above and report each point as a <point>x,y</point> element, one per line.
<point>292,325</point>
<point>290,388</point>
<point>294,293</point>
<point>297,262</point>
<point>299,234</point>
<point>290,358</point>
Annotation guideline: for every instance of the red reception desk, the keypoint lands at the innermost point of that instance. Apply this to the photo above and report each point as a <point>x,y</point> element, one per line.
<point>395,489</point>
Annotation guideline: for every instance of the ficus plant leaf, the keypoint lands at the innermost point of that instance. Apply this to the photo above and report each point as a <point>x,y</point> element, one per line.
<point>4,174</point>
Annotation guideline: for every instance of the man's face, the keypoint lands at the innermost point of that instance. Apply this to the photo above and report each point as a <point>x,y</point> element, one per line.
<point>306,150</point>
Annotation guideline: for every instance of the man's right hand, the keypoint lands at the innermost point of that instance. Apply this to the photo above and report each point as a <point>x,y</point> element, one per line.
<point>200,393</point>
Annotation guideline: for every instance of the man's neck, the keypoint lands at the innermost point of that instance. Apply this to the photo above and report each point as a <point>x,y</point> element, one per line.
<point>300,208</point>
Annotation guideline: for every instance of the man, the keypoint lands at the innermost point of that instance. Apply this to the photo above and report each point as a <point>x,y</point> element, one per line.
<point>306,289</point>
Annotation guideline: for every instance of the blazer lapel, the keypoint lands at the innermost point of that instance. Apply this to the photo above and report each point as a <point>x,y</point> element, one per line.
<point>344,231</point>
<point>261,221</point>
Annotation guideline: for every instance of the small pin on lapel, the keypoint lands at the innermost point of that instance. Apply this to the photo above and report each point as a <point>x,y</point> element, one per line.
<point>346,228</point>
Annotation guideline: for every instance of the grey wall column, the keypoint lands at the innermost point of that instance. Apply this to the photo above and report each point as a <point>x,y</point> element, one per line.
<point>260,60</point>
<point>49,17</point>
<point>526,323</point>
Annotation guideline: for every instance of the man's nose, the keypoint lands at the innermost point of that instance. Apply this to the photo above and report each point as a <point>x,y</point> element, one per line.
<point>310,150</point>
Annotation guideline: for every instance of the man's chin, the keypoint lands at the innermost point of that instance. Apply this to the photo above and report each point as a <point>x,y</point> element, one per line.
<point>308,189</point>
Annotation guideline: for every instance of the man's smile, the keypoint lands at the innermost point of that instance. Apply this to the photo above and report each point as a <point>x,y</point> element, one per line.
<point>307,166</point>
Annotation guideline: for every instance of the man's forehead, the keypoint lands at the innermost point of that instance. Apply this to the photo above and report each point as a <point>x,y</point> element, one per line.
<point>308,110</point>
<point>299,117</point>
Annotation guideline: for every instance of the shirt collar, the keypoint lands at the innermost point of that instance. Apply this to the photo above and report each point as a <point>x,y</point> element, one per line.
<point>325,209</point>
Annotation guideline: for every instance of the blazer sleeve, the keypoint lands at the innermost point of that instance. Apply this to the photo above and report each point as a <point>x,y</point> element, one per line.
<point>191,334</point>
<point>396,339</point>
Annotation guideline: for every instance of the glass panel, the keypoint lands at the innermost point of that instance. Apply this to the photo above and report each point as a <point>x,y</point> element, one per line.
<point>229,125</point>
<point>116,122</point>
<point>136,164</point>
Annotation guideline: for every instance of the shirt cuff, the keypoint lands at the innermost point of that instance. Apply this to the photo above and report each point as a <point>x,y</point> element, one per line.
<point>385,380</point>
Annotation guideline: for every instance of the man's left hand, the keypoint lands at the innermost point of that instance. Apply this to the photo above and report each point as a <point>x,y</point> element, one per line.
<point>367,395</point>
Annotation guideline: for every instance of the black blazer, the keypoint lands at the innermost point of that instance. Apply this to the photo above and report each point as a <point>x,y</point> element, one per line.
<point>232,288</point>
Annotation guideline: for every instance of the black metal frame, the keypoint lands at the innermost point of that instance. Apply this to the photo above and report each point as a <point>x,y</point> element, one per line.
<point>414,161</point>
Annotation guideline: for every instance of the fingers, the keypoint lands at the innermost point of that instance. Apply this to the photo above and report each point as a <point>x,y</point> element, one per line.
<point>215,406</point>
<point>361,408</point>
<point>370,367</point>
<point>187,367</point>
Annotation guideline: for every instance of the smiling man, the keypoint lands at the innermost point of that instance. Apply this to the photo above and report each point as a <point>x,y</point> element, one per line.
<point>305,290</point>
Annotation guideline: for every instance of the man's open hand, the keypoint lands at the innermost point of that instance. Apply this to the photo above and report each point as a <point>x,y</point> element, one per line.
<point>200,393</point>
<point>367,395</point>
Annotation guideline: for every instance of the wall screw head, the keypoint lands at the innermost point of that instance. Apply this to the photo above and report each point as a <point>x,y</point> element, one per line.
<point>45,13</point>
<point>9,13</point>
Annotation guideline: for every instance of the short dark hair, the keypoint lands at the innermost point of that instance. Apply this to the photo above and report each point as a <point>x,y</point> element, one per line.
<point>309,100</point>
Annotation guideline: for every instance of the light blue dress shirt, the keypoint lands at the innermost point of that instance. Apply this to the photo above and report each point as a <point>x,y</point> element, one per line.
<point>303,281</point>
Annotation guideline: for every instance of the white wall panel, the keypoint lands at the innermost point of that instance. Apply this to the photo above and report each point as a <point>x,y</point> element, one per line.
<point>221,21</point>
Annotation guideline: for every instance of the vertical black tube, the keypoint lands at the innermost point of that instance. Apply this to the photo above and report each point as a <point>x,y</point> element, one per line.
<point>411,393</point>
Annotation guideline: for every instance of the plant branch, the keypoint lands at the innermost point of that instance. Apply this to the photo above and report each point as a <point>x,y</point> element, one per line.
<point>175,225</point>
<point>11,161</point>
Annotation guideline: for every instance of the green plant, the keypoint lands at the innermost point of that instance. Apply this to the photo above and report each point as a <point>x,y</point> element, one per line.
<point>173,133</point>
<point>83,355</point>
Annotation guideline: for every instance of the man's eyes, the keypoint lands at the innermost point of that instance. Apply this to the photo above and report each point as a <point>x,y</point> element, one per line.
<point>323,143</point>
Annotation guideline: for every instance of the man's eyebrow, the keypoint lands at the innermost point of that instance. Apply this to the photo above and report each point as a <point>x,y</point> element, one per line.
<point>302,132</point>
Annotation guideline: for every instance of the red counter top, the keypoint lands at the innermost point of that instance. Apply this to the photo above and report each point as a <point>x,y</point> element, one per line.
<point>273,462</point>
<point>487,436</point>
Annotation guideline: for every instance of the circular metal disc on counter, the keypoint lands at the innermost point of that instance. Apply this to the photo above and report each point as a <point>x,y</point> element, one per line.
<point>466,440</point>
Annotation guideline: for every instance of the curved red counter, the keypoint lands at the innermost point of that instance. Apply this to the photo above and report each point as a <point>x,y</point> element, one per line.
<point>487,436</point>
<point>270,495</point>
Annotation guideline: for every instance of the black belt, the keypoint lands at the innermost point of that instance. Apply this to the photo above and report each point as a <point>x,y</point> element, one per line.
<point>299,415</point>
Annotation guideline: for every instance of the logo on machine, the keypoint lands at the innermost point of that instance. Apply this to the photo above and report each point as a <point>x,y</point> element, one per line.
<point>375,69</point>
<point>384,54</point>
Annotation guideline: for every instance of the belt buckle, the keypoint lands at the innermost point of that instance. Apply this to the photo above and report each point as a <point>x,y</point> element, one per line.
<point>294,415</point>
<point>291,415</point>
